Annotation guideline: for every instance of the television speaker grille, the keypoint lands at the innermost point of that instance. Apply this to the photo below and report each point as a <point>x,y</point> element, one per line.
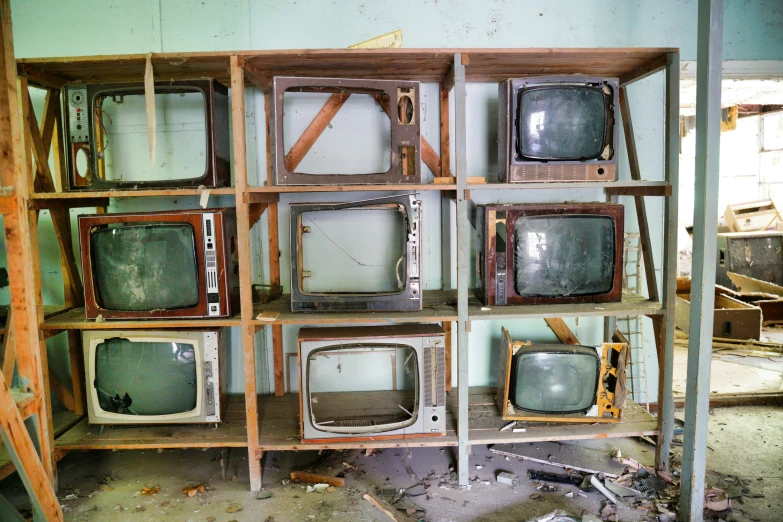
<point>435,376</point>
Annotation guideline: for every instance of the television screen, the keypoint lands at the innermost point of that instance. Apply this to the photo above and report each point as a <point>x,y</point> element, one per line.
<point>561,123</point>
<point>554,379</point>
<point>142,267</point>
<point>145,378</point>
<point>354,250</point>
<point>356,141</point>
<point>564,255</point>
<point>343,380</point>
<point>180,134</point>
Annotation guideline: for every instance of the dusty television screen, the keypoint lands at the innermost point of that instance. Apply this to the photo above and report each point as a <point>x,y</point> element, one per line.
<point>355,250</point>
<point>560,256</point>
<point>145,378</point>
<point>343,380</point>
<point>180,134</point>
<point>356,141</point>
<point>554,382</point>
<point>561,123</point>
<point>145,267</point>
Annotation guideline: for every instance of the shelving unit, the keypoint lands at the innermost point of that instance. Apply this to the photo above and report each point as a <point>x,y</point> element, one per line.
<point>271,422</point>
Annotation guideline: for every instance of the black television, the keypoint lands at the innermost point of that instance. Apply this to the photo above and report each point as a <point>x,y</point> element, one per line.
<point>558,128</point>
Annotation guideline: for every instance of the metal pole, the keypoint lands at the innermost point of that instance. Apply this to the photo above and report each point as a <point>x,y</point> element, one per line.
<point>672,171</point>
<point>705,219</point>
<point>463,264</point>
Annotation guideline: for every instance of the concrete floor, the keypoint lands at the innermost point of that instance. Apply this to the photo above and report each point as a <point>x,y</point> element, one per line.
<point>745,441</point>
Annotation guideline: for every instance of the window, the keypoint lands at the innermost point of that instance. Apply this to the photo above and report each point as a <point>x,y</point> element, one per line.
<point>772,131</point>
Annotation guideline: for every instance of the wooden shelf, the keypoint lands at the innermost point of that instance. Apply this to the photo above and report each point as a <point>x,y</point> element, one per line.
<point>428,65</point>
<point>42,198</point>
<point>438,306</point>
<point>74,319</point>
<point>485,424</point>
<point>649,186</point>
<point>354,188</point>
<point>231,433</point>
<point>632,304</point>
<point>279,425</point>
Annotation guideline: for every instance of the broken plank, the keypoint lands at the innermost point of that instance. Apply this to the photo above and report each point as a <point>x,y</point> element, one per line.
<point>542,452</point>
<point>386,508</point>
<point>315,478</point>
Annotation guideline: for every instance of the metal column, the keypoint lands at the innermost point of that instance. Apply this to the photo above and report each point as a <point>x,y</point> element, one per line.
<point>666,331</point>
<point>705,218</point>
<point>463,263</point>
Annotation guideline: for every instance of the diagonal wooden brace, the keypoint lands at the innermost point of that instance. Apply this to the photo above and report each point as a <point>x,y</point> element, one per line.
<point>315,129</point>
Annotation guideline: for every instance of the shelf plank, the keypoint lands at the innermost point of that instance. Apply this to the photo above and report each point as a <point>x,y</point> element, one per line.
<point>75,319</point>
<point>231,433</point>
<point>279,425</point>
<point>40,198</point>
<point>410,187</point>
<point>485,424</point>
<point>654,187</point>
<point>431,65</point>
<point>438,306</point>
<point>632,304</point>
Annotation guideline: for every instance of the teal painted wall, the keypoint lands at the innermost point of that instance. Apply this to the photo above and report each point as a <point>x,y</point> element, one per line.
<point>753,31</point>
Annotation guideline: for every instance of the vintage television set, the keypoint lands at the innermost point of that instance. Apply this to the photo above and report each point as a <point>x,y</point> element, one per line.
<point>356,256</point>
<point>561,382</point>
<point>558,128</point>
<point>757,254</point>
<point>106,135</point>
<point>372,382</point>
<point>368,147</point>
<point>154,376</point>
<point>157,265</point>
<point>549,253</point>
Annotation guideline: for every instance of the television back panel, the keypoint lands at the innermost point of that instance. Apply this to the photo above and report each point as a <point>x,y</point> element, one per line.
<point>753,254</point>
<point>123,401</point>
<point>93,136</point>
<point>398,98</point>
<point>359,415</point>
<point>515,168</point>
<point>407,292</point>
<point>498,250</point>
<point>137,270</point>
<point>610,392</point>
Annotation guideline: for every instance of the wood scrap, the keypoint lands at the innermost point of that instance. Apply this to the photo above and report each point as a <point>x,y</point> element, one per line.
<point>550,463</point>
<point>316,478</point>
<point>386,508</point>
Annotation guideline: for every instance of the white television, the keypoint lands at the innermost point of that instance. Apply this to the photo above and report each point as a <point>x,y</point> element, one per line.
<point>153,376</point>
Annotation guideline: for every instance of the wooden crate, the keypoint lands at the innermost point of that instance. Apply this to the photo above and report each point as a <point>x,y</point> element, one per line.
<point>754,215</point>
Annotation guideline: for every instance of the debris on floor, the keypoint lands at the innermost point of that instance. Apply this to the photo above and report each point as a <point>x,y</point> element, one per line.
<point>506,478</point>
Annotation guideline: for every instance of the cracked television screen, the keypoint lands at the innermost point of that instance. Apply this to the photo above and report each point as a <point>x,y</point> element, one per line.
<point>561,256</point>
<point>145,378</point>
<point>561,123</point>
<point>145,267</point>
<point>385,376</point>
<point>554,380</point>
<point>180,135</point>
<point>360,250</point>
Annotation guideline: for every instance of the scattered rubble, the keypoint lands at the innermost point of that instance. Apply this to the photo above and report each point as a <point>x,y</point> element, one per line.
<point>506,478</point>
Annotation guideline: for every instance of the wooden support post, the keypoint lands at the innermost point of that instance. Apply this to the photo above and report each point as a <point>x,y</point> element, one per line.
<point>274,253</point>
<point>245,280</point>
<point>77,372</point>
<point>9,348</point>
<point>21,449</point>
<point>709,54</point>
<point>445,134</point>
<point>463,267</point>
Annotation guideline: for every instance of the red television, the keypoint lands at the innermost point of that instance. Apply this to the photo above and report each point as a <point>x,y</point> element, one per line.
<point>158,265</point>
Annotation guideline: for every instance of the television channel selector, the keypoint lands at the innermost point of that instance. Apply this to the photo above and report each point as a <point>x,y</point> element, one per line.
<point>211,265</point>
